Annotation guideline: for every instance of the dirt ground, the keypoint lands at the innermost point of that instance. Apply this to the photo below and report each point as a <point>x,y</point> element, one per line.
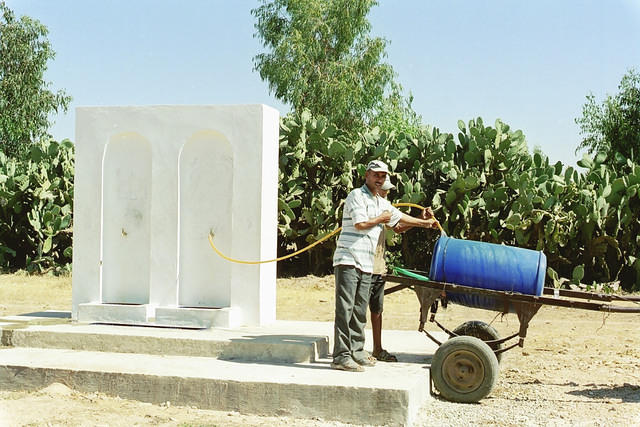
<point>577,367</point>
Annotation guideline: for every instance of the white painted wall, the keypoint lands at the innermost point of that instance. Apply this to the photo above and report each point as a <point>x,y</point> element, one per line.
<point>150,183</point>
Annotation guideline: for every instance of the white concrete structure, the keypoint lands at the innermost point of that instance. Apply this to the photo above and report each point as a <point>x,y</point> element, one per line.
<point>150,183</point>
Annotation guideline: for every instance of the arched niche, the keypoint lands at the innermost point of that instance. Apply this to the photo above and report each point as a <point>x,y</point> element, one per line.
<point>205,173</point>
<point>126,220</point>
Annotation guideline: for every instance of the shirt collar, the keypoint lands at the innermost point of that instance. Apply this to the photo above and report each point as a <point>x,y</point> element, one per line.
<point>366,190</point>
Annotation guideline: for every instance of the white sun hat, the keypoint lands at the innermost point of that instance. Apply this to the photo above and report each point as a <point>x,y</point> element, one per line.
<point>378,166</point>
<point>387,184</point>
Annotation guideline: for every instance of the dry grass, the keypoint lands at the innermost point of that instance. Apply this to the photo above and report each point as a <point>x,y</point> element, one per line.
<point>21,293</point>
<point>312,298</point>
<point>300,298</point>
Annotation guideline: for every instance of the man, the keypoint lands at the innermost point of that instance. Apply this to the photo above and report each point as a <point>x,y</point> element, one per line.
<point>363,218</point>
<point>376,299</point>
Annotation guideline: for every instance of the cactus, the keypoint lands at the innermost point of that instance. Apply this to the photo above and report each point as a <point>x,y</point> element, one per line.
<point>485,185</point>
<point>36,204</point>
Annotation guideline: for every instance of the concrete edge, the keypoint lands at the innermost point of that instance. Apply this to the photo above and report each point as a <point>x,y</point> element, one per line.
<point>337,403</point>
<point>268,348</point>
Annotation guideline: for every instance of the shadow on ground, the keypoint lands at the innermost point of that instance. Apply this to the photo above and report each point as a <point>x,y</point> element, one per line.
<point>627,392</point>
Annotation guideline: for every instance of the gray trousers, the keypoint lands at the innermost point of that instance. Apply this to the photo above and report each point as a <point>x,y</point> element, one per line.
<point>352,298</point>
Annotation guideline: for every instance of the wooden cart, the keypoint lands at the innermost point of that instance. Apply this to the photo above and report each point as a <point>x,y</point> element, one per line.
<point>465,367</point>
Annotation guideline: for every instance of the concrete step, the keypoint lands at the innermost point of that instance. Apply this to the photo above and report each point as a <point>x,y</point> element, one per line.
<point>388,393</point>
<point>279,369</point>
<point>285,342</point>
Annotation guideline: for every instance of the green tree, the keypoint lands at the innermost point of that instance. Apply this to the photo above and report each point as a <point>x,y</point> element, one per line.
<point>397,115</point>
<point>26,102</point>
<point>613,126</point>
<point>321,57</point>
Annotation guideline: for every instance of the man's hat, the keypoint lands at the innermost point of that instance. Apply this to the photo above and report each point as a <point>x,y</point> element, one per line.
<point>377,166</point>
<point>387,184</point>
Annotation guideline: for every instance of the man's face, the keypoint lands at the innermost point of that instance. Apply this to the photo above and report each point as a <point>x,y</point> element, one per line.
<point>375,180</point>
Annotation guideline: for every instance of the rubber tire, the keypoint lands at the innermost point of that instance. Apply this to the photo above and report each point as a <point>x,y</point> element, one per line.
<point>464,369</point>
<point>480,330</point>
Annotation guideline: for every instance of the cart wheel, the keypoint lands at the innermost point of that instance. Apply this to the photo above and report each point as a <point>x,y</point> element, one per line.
<point>481,330</point>
<point>464,369</point>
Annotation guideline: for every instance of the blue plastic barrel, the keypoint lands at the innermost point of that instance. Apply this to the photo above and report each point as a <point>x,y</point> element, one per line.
<point>487,266</point>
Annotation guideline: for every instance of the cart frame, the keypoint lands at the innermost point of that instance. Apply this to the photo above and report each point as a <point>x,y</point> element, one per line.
<point>461,369</point>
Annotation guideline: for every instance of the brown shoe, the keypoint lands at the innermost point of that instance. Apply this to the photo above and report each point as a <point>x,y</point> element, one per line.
<point>365,361</point>
<point>385,356</point>
<point>347,365</point>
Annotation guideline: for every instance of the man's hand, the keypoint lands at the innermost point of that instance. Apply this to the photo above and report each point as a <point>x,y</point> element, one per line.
<point>384,217</point>
<point>427,213</point>
<point>401,228</point>
<point>433,223</point>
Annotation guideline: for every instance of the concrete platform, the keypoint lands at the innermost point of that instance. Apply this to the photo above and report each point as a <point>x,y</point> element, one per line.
<point>197,316</point>
<point>96,312</point>
<point>288,343</point>
<point>281,369</point>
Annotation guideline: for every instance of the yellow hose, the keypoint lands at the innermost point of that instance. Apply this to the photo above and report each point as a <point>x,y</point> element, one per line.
<point>211,236</point>
<point>270,260</point>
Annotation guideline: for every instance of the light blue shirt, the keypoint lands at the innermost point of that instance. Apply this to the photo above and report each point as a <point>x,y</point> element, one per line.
<point>358,247</point>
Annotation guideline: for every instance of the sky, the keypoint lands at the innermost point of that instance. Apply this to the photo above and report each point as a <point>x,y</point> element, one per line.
<point>529,63</point>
